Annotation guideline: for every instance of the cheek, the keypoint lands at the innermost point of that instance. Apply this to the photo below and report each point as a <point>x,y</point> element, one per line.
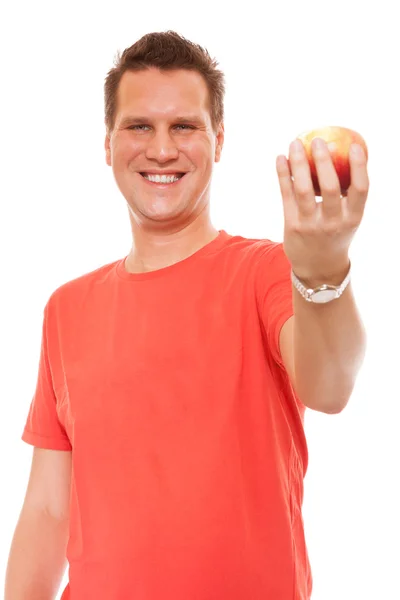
<point>124,151</point>
<point>200,153</point>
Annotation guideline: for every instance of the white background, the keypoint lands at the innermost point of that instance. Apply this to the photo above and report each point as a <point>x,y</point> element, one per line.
<point>290,67</point>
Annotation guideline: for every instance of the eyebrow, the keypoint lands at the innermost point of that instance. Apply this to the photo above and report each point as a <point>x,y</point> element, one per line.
<point>132,120</point>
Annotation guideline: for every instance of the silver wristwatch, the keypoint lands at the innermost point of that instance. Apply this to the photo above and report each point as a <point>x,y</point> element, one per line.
<point>323,293</point>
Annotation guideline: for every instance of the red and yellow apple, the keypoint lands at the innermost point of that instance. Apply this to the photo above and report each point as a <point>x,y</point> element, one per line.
<point>338,140</point>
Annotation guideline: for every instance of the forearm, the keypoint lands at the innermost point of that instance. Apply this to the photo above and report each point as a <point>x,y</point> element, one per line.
<point>37,558</point>
<point>329,347</point>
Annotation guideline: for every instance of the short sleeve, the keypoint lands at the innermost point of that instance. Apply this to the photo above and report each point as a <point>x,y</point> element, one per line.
<point>274,294</point>
<point>43,427</point>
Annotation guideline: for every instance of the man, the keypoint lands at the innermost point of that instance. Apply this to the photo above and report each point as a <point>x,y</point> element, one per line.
<point>168,416</point>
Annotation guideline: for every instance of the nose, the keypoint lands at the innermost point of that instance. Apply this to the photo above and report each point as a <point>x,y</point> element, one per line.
<point>162,147</point>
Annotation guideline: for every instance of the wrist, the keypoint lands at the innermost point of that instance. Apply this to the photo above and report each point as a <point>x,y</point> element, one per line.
<point>332,276</point>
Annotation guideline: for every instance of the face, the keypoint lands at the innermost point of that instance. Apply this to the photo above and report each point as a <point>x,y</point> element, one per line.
<point>163,125</point>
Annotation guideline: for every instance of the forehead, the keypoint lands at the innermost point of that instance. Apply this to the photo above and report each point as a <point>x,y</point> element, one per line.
<point>162,93</point>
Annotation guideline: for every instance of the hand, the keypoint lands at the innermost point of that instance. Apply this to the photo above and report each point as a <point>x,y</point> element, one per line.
<point>317,236</point>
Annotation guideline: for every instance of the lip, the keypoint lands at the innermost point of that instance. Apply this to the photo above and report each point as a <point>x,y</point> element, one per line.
<point>162,186</point>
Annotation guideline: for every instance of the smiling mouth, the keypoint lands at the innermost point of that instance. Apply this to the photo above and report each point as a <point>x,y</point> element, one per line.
<point>179,174</point>
<point>163,183</point>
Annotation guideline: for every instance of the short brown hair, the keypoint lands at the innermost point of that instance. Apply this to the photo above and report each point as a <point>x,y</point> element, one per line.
<point>166,51</point>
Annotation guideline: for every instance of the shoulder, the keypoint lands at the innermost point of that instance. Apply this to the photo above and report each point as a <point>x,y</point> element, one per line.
<point>65,301</point>
<point>81,284</point>
<point>260,250</point>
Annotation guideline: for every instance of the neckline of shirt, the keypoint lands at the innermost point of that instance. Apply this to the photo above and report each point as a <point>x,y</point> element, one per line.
<point>212,246</point>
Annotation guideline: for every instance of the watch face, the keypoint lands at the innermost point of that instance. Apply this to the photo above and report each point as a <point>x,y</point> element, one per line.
<point>324,296</point>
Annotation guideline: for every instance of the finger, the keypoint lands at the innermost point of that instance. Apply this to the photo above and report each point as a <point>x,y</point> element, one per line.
<point>327,178</point>
<point>303,187</point>
<point>358,190</point>
<point>286,187</point>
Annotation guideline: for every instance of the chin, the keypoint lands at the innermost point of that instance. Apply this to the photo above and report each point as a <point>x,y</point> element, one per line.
<point>159,210</point>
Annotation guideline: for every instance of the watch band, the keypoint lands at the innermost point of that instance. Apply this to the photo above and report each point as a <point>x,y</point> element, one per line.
<point>323,293</point>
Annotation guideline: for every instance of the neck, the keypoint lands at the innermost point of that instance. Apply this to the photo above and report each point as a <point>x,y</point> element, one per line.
<point>154,250</point>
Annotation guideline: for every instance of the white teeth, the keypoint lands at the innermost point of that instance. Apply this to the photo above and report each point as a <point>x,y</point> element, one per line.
<point>162,178</point>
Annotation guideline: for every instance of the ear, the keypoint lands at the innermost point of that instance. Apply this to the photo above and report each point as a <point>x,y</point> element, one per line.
<point>220,142</point>
<point>108,149</point>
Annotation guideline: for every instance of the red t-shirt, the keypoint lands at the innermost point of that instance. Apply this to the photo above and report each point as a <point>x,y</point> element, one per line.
<point>187,439</point>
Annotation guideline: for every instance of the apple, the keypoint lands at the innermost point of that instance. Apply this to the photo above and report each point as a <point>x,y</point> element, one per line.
<point>338,140</point>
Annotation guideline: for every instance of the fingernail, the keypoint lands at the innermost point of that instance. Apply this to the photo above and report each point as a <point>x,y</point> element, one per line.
<point>318,143</point>
<point>296,146</point>
<point>357,150</point>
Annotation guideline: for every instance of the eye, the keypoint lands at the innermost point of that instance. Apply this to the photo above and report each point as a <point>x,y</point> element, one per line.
<point>187,126</point>
<point>137,127</point>
<point>141,127</point>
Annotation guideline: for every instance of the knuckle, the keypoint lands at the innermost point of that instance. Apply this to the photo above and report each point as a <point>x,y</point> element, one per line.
<point>332,227</point>
<point>362,188</point>
<point>306,228</point>
<point>331,190</point>
<point>353,222</point>
<point>361,184</point>
<point>294,227</point>
<point>303,190</point>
